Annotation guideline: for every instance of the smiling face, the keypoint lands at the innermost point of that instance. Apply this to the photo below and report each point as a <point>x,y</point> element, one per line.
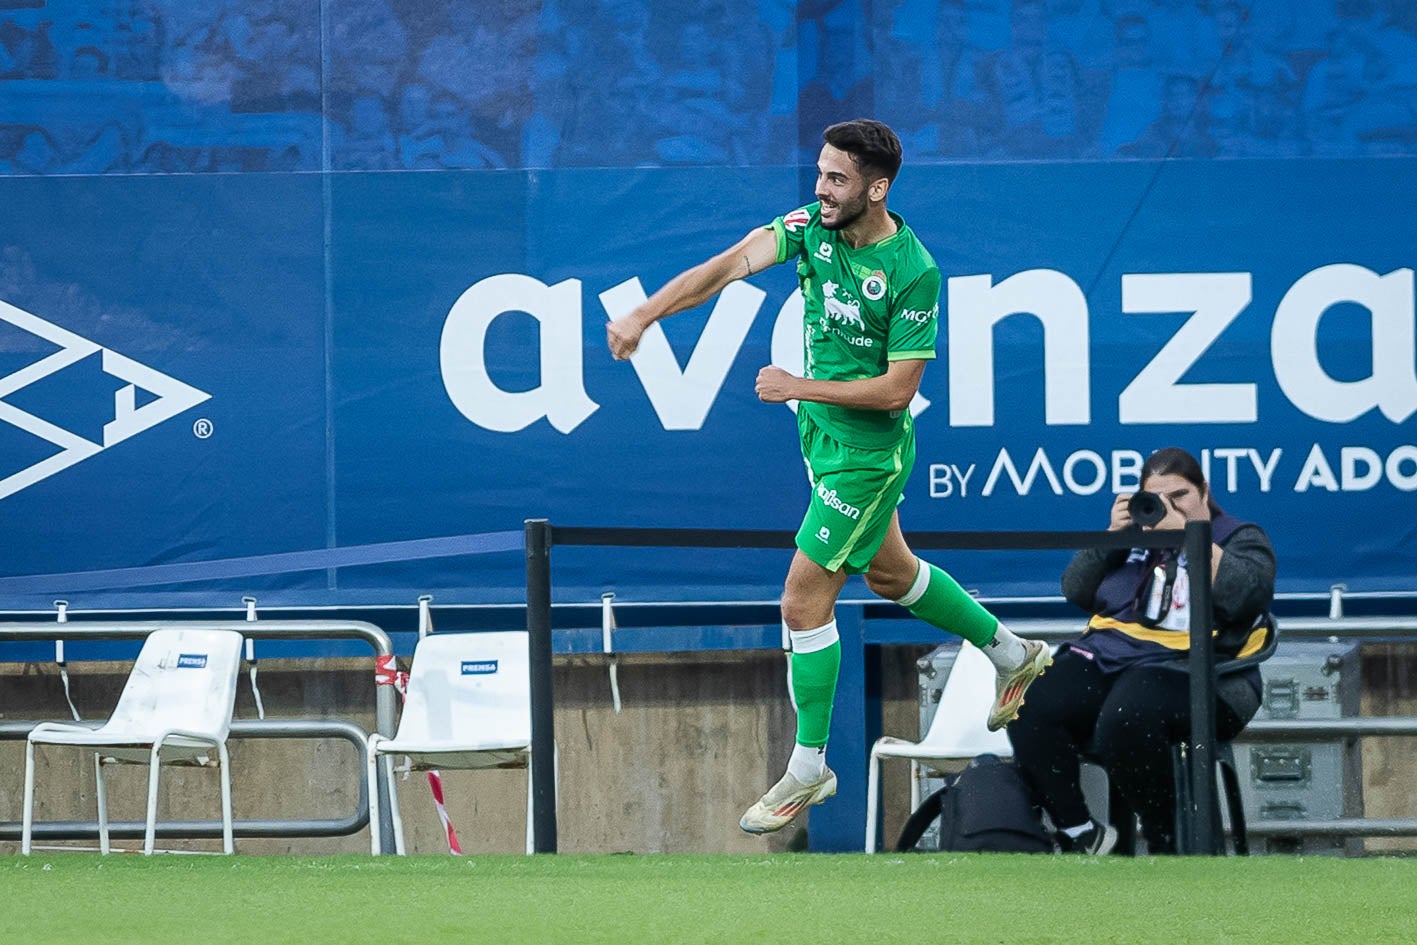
<point>842,190</point>
<point>1190,501</point>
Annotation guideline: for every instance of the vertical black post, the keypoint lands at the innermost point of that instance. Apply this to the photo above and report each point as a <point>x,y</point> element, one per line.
<point>543,726</point>
<point>1199,818</point>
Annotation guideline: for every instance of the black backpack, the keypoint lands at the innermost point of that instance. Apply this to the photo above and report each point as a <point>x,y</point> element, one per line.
<point>987,806</point>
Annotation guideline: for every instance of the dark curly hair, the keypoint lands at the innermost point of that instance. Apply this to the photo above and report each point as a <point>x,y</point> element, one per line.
<point>872,145</point>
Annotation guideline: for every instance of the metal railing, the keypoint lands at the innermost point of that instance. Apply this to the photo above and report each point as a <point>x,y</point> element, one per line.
<point>384,714</point>
<point>1373,629</point>
<point>1327,730</point>
<point>1369,629</point>
<point>1194,541</point>
<point>208,829</point>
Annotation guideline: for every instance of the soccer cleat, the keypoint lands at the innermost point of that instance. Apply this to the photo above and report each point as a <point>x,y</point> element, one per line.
<point>785,800</point>
<point>1011,686</point>
<point>1097,840</point>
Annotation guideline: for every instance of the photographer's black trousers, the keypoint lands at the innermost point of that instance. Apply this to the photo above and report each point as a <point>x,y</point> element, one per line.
<point>1126,722</point>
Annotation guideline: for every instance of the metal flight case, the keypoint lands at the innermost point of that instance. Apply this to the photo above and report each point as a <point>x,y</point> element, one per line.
<point>1310,780</point>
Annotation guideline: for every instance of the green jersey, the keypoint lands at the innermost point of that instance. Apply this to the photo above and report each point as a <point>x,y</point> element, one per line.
<point>863,309</point>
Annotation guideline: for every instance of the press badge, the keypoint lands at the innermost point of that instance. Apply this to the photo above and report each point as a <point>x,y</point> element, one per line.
<point>1169,596</point>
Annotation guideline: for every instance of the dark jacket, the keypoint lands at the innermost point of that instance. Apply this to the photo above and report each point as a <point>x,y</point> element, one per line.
<point>1107,583</point>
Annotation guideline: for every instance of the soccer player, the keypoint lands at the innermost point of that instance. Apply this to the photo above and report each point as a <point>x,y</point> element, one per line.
<point>872,295</point>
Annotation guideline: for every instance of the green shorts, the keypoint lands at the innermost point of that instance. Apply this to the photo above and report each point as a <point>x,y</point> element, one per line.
<point>854,495</point>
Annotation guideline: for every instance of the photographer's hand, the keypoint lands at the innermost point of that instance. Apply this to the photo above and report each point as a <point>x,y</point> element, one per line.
<point>1121,518</point>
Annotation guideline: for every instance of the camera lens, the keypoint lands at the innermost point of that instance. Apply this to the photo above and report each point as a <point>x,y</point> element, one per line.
<point>1146,508</point>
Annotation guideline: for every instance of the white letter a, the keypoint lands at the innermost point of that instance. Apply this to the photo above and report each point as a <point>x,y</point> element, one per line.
<point>560,397</point>
<point>682,398</point>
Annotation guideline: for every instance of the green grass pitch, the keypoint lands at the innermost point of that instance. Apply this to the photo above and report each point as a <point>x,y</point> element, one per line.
<point>960,899</point>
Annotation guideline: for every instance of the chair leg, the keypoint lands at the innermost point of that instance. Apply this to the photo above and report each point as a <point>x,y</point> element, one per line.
<point>1180,774</point>
<point>530,809</point>
<point>101,790</point>
<point>394,812</point>
<point>873,799</point>
<point>1234,801</point>
<point>28,826</point>
<point>1123,818</point>
<point>1225,765</point>
<point>150,833</point>
<point>376,840</point>
<point>228,841</point>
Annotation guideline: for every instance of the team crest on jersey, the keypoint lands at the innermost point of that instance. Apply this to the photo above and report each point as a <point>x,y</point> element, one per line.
<point>796,220</point>
<point>874,288</point>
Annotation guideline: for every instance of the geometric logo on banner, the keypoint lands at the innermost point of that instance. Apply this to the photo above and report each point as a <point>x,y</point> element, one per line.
<point>145,399</point>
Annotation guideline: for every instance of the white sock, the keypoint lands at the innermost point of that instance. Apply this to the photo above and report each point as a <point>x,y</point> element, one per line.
<point>818,638</point>
<point>918,587</point>
<point>1074,832</point>
<point>1005,651</point>
<point>807,764</point>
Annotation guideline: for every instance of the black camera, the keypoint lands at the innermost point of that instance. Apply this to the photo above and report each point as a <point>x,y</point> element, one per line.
<point>1146,508</point>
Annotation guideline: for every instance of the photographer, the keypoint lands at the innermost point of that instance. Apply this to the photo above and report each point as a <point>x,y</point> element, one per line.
<point>1107,695</point>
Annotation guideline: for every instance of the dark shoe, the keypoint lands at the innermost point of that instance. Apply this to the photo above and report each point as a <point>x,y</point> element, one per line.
<point>1097,840</point>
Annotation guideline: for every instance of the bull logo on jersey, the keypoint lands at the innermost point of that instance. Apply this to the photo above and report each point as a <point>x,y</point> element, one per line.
<point>841,309</point>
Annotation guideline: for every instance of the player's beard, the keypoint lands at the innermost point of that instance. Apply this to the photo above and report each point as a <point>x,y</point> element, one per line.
<point>847,212</point>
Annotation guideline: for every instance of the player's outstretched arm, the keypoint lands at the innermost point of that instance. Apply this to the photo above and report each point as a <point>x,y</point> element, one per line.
<point>753,253</point>
<point>893,390</point>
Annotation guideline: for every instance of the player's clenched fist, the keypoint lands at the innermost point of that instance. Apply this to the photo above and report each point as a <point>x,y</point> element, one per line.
<point>774,385</point>
<point>623,335</point>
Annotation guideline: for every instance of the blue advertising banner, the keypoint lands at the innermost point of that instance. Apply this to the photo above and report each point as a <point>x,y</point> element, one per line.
<point>311,387</point>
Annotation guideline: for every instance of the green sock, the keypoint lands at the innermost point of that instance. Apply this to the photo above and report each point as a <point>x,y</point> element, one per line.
<point>814,684</point>
<point>937,599</point>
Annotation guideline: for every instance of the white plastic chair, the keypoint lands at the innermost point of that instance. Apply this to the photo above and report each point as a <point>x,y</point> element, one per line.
<point>959,730</point>
<point>175,709</point>
<point>469,707</point>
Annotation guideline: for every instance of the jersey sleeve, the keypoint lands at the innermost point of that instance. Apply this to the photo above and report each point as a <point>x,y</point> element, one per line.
<point>915,319</point>
<point>791,229</point>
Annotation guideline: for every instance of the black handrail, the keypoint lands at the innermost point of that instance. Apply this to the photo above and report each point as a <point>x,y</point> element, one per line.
<point>541,536</point>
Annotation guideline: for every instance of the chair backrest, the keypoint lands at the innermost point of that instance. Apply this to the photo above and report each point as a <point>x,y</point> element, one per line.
<point>1260,646</point>
<point>183,678</point>
<point>469,689</point>
<point>960,727</point>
